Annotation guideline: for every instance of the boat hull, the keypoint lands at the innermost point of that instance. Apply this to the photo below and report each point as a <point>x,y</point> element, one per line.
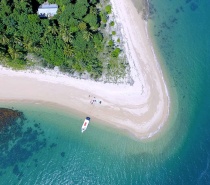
<point>85,124</point>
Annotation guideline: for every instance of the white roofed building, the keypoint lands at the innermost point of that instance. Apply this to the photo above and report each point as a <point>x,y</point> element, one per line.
<point>47,10</point>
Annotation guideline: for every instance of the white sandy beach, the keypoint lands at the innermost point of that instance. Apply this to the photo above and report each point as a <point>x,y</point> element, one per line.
<point>141,109</point>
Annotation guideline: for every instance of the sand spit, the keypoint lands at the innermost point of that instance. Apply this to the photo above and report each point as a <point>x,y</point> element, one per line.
<point>140,109</point>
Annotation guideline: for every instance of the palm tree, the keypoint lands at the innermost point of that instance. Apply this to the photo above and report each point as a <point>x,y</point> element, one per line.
<point>5,7</point>
<point>93,10</point>
<point>94,28</point>
<point>4,40</point>
<point>68,51</point>
<point>87,35</point>
<point>82,26</point>
<point>37,49</point>
<point>17,40</point>
<point>2,51</point>
<point>14,54</point>
<point>28,46</point>
<point>45,39</point>
<point>51,29</point>
<point>66,35</point>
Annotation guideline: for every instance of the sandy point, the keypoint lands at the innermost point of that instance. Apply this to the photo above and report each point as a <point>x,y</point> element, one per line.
<point>140,109</point>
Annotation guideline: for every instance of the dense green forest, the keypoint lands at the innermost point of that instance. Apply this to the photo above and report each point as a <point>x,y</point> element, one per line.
<point>72,39</point>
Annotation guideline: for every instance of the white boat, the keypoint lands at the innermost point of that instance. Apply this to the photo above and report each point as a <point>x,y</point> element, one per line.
<point>85,124</point>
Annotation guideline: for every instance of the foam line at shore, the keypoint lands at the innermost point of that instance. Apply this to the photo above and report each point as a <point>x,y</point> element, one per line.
<point>160,71</point>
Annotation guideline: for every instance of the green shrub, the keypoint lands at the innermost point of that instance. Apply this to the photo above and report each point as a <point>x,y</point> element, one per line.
<point>17,64</point>
<point>113,32</point>
<point>103,17</point>
<point>118,40</point>
<point>108,9</point>
<point>110,43</point>
<point>91,19</point>
<point>74,29</point>
<point>115,53</point>
<point>111,23</point>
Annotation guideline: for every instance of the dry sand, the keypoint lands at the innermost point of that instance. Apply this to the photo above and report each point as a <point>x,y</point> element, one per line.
<point>141,109</point>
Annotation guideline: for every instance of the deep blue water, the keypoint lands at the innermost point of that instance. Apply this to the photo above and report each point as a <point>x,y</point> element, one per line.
<point>45,145</point>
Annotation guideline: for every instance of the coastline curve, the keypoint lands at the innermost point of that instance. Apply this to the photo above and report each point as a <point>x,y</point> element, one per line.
<point>140,109</point>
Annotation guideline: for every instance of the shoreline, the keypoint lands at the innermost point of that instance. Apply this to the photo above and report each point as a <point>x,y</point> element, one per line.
<point>161,72</point>
<point>141,109</point>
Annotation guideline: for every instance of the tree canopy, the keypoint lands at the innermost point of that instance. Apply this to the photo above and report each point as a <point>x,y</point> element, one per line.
<point>71,39</point>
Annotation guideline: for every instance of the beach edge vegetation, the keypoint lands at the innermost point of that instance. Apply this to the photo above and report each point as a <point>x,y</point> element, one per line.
<point>73,39</point>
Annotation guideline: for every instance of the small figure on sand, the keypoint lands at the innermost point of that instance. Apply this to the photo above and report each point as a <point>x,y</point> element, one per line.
<point>94,100</point>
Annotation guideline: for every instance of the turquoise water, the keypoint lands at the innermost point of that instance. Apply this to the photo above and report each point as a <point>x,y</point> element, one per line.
<point>49,148</point>
<point>57,152</point>
<point>181,31</point>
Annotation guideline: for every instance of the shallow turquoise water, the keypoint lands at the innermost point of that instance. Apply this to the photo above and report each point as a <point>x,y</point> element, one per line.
<point>49,148</point>
<point>59,154</point>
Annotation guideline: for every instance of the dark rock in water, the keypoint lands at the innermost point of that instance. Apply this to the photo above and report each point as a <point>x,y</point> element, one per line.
<point>53,145</point>
<point>8,116</point>
<point>36,160</point>
<point>17,171</point>
<point>173,20</point>
<point>193,6</point>
<point>177,10</point>
<point>36,125</point>
<point>181,9</point>
<point>63,154</point>
<point>18,142</point>
<point>188,1</point>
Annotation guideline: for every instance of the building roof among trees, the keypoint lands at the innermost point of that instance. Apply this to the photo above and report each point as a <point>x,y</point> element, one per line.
<point>47,10</point>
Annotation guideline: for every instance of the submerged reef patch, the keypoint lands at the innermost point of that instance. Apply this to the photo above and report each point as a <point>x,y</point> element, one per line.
<point>19,140</point>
